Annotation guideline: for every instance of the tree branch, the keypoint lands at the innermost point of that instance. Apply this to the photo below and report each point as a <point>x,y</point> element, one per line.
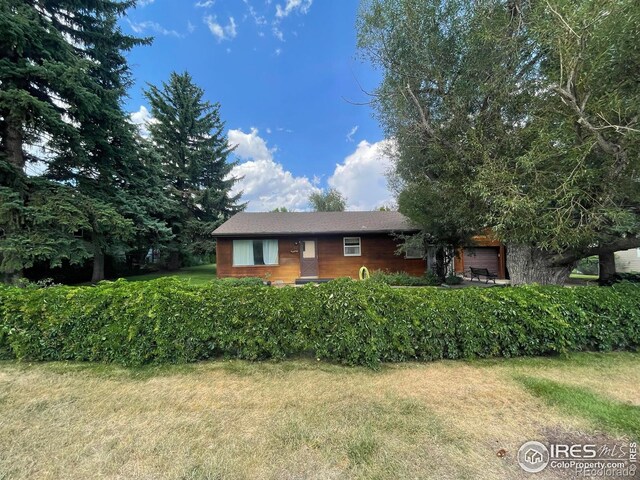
<point>614,246</point>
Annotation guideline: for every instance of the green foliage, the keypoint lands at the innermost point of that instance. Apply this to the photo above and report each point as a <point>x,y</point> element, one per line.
<point>330,201</point>
<point>403,279</point>
<point>517,116</point>
<point>64,77</point>
<point>358,323</point>
<point>588,266</point>
<point>453,280</point>
<point>631,277</point>
<point>193,149</point>
<point>244,281</point>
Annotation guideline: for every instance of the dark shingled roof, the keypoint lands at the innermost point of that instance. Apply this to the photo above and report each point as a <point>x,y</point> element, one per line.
<point>292,223</point>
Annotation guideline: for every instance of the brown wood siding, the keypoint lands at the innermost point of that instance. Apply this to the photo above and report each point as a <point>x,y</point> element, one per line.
<point>378,253</point>
<point>288,262</point>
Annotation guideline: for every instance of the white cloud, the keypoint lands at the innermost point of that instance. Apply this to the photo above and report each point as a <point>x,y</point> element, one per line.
<point>219,31</point>
<point>144,3</point>
<point>258,19</point>
<point>302,6</point>
<point>141,27</point>
<point>250,146</point>
<point>278,34</point>
<point>362,176</point>
<point>191,27</point>
<point>142,118</point>
<point>352,133</point>
<point>277,51</point>
<point>265,183</point>
<point>204,4</point>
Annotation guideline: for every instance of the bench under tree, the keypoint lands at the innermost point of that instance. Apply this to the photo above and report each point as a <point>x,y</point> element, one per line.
<point>482,272</point>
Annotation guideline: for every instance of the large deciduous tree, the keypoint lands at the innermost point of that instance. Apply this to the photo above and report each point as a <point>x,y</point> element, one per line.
<point>328,201</point>
<point>188,134</point>
<point>516,115</point>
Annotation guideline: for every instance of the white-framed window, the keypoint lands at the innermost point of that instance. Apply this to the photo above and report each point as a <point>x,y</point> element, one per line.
<point>352,246</point>
<point>248,253</point>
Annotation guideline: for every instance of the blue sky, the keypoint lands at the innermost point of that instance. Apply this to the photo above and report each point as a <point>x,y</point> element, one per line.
<point>284,72</point>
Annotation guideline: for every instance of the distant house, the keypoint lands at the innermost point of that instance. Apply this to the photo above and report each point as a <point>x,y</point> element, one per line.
<point>307,245</point>
<point>628,260</point>
<point>289,246</point>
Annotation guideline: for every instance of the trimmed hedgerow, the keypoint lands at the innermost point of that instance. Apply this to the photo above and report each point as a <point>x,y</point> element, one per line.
<point>403,279</point>
<point>359,323</point>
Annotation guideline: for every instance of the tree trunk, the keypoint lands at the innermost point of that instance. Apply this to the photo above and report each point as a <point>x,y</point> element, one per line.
<point>531,265</point>
<point>440,269</point>
<point>607,264</point>
<point>14,143</point>
<point>174,262</point>
<point>98,264</point>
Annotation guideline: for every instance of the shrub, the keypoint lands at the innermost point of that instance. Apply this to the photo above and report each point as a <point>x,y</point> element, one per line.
<point>588,266</point>
<point>453,280</point>
<point>403,279</point>
<point>246,281</point>
<point>359,323</point>
<point>632,277</point>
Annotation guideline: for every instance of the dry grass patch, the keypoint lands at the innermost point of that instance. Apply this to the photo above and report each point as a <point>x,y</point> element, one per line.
<point>295,419</point>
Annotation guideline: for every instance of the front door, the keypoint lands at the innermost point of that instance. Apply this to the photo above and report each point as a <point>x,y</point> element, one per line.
<point>308,258</point>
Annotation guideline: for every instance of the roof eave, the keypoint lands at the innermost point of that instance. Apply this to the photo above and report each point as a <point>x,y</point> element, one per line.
<point>338,232</point>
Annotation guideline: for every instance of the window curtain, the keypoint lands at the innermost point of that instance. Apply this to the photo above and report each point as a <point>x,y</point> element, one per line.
<point>270,252</point>
<point>243,252</point>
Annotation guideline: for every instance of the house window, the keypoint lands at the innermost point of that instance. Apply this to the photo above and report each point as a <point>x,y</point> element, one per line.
<point>351,246</point>
<point>247,253</point>
<point>414,251</point>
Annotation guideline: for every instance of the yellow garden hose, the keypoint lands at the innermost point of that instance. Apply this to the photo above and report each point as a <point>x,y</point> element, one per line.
<point>364,273</point>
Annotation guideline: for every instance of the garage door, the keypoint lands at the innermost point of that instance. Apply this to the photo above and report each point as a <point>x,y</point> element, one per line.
<point>482,257</point>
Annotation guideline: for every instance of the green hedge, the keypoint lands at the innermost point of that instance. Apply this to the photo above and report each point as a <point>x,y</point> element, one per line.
<point>359,323</point>
<point>403,279</point>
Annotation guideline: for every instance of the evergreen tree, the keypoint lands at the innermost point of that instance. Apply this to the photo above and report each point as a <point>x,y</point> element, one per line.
<point>189,137</point>
<point>44,82</point>
<point>106,164</point>
<point>63,82</point>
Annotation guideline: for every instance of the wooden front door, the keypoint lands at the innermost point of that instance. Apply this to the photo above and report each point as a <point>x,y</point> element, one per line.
<point>308,258</point>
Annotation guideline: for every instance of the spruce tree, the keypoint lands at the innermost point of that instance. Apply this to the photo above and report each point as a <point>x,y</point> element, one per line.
<point>63,80</point>
<point>188,134</point>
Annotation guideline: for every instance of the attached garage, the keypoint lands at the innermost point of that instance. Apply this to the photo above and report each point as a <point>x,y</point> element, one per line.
<point>482,257</point>
<point>484,252</point>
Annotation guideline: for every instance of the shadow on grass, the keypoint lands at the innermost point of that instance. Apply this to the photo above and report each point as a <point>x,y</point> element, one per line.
<point>605,414</point>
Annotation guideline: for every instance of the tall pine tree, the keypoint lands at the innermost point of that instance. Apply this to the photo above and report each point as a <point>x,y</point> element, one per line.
<point>63,77</point>
<point>189,136</point>
<point>106,164</point>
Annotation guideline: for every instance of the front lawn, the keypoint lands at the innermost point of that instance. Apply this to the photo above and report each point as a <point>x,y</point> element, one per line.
<point>306,419</point>
<point>197,275</point>
<point>581,276</point>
